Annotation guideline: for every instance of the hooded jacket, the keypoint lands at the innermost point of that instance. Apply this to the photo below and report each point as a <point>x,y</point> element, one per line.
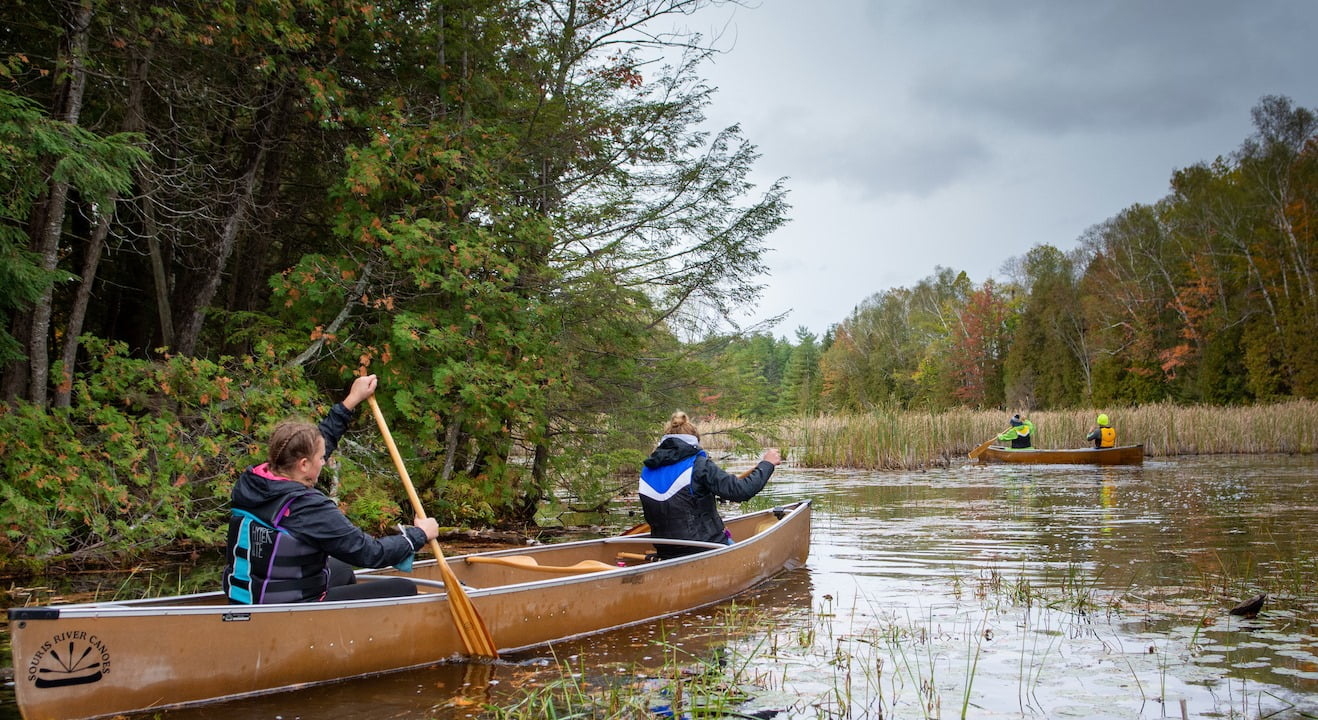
<point>282,534</point>
<point>1020,434</point>
<point>679,490</point>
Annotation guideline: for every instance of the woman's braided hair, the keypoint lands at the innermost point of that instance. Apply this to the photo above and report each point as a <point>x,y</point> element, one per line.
<point>291,441</point>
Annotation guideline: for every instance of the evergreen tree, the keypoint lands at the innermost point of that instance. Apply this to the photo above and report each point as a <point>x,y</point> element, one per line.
<point>802,381</point>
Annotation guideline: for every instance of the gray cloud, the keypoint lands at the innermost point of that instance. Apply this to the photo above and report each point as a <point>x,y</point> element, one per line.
<point>963,132</point>
<point>1107,66</point>
<point>871,166</point>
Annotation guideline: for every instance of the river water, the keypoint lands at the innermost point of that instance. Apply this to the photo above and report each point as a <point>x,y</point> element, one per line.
<point>972,591</point>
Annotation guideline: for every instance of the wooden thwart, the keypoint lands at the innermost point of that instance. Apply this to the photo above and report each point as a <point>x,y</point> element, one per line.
<point>526,562</point>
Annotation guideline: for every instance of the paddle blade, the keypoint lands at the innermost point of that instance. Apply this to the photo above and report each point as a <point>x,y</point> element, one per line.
<point>974,454</point>
<point>475,635</point>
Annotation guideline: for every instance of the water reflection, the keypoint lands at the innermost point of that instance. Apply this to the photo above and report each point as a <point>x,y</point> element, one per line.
<point>1047,591</point>
<point>1065,591</point>
<point>622,657</point>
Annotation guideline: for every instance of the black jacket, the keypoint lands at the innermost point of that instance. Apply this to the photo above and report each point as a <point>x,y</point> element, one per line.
<point>691,512</point>
<point>314,518</point>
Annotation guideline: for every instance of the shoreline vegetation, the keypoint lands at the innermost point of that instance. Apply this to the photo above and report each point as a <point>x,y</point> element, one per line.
<point>745,660</point>
<point>888,440</point>
<point>910,440</point>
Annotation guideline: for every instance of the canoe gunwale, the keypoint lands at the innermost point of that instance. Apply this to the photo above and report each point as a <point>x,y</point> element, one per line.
<point>150,606</point>
<point>383,635</point>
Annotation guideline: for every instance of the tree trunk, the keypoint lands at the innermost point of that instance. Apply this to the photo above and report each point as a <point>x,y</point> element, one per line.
<point>70,86</point>
<point>164,311</point>
<point>133,122</point>
<point>197,297</point>
<point>78,313</point>
<point>451,438</point>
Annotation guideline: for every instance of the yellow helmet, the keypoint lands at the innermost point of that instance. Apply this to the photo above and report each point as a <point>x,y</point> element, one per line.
<point>1102,419</point>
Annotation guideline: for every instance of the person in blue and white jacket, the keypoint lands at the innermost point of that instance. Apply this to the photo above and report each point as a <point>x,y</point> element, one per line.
<point>680,487</point>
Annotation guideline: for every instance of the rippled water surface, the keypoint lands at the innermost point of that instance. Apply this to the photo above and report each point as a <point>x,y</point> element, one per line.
<point>973,591</point>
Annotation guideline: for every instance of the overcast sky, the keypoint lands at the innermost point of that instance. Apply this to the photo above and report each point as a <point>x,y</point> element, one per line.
<point>920,133</point>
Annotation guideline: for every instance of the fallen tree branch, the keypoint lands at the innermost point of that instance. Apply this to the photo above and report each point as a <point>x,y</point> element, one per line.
<point>333,328</point>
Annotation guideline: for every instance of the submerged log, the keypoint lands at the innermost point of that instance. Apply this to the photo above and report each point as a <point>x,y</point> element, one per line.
<point>1249,608</point>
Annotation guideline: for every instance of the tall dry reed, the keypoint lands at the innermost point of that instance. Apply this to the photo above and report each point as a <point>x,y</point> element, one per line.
<point>913,439</point>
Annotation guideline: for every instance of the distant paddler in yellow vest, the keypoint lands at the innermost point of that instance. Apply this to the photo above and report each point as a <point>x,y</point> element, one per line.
<point>1103,436</point>
<point>1019,435</point>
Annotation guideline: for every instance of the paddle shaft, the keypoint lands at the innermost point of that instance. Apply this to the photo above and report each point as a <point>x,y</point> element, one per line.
<point>475,636</point>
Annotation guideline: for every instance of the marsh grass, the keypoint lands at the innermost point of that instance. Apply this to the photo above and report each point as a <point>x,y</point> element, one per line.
<point>887,439</point>
<point>894,662</point>
<point>892,667</point>
<point>137,582</point>
<point>687,684</point>
<point>1225,581</point>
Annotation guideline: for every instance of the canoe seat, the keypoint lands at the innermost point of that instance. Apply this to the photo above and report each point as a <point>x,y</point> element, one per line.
<point>526,562</point>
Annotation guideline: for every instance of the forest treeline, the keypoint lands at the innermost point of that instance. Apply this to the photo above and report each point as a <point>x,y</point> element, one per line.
<point>1205,296</point>
<point>213,215</point>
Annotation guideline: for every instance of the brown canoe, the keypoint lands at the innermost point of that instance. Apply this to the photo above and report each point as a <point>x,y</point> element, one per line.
<point>1124,455</point>
<point>100,659</point>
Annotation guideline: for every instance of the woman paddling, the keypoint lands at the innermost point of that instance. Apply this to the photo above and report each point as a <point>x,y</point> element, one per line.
<point>680,487</point>
<point>289,542</point>
<point>1020,434</point>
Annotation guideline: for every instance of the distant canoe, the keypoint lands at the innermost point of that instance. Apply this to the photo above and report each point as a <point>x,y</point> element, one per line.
<point>1124,455</point>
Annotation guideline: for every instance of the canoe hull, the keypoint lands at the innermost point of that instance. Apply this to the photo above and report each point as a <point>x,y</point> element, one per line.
<point>180,651</point>
<point>1124,455</point>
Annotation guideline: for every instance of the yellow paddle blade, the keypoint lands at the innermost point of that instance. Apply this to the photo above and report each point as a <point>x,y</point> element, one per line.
<point>475,635</point>
<point>974,454</point>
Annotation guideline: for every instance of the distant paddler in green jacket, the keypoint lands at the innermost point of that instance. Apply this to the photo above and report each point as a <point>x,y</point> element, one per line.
<point>1019,435</point>
<point>1103,436</point>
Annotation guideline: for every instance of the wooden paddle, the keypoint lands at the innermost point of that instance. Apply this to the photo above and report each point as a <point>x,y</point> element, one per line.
<point>526,562</point>
<point>645,527</point>
<point>974,454</point>
<point>475,636</point>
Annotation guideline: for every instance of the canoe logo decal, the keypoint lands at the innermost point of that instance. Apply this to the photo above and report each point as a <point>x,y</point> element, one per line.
<point>69,658</point>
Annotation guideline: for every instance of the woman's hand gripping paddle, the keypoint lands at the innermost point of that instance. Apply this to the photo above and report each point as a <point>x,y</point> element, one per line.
<point>475,636</point>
